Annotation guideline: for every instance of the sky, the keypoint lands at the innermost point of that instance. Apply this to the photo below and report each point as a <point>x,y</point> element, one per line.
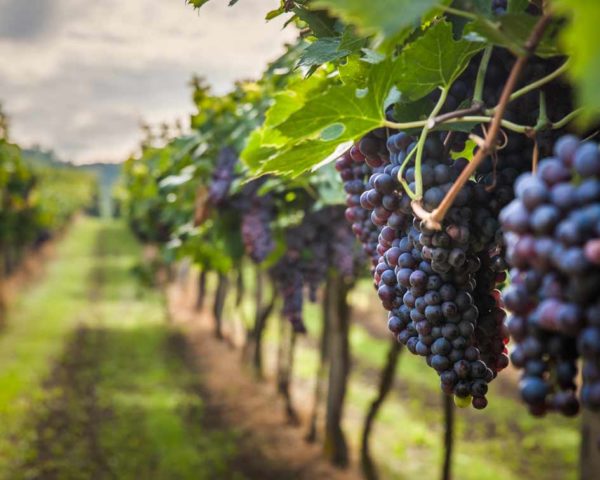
<point>79,76</point>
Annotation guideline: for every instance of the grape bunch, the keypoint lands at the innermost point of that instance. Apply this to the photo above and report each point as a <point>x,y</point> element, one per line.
<point>428,280</point>
<point>552,236</point>
<point>459,325</point>
<point>321,241</point>
<point>223,175</point>
<point>256,228</point>
<point>354,172</point>
<point>288,281</point>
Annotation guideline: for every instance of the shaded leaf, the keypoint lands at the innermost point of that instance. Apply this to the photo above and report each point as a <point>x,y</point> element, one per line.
<point>433,60</point>
<point>512,31</point>
<point>321,51</point>
<point>321,24</point>
<point>517,6</point>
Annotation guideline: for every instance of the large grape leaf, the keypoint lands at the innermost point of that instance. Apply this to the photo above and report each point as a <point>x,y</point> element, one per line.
<point>293,98</point>
<point>339,105</point>
<point>299,158</point>
<point>387,17</point>
<point>338,115</point>
<point>356,110</point>
<point>581,37</point>
<point>433,60</point>
<point>264,141</point>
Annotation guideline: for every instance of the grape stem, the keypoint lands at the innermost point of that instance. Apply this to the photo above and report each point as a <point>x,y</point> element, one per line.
<point>457,12</point>
<point>405,185</point>
<point>434,219</point>
<point>542,121</point>
<point>541,82</point>
<point>462,113</point>
<point>480,81</point>
<point>423,137</point>
<point>566,119</point>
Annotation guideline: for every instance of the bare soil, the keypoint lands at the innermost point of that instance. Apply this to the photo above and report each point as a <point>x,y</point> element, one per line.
<point>270,448</point>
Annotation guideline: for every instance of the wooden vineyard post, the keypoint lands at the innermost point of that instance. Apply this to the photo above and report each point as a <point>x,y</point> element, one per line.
<point>220,296</point>
<point>336,448</point>
<point>201,289</point>
<point>448,436</point>
<point>321,377</point>
<point>590,446</point>
<point>264,306</point>
<point>285,368</point>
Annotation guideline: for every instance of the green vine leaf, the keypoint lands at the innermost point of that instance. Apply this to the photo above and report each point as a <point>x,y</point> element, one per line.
<point>354,71</point>
<point>581,37</point>
<point>321,51</point>
<point>339,115</point>
<point>433,60</point>
<point>293,98</point>
<point>261,145</point>
<point>320,24</point>
<point>301,157</point>
<point>340,104</point>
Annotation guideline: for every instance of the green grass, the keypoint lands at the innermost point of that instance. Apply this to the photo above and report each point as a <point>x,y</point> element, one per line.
<point>36,331</point>
<point>120,400</point>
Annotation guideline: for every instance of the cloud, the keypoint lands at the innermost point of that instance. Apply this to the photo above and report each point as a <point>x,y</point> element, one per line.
<point>26,19</point>
<point>81,81</point>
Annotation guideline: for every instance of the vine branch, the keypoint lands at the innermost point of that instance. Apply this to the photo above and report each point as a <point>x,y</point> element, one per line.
<point>457,117</point>
<point>462,113</point>
<point>434,219</point>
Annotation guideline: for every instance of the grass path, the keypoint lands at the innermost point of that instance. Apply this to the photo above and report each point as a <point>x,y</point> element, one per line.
<point>94,382</point>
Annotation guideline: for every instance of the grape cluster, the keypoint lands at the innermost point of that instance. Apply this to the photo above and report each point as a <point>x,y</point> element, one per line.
<point>223,175</point>
<point>288,281</point>
<point>354,172</point>
<point>321,241</point>
<point>552,235</point>
<point>256,228</point>
<point>428,280</point>
<point>462,316</point>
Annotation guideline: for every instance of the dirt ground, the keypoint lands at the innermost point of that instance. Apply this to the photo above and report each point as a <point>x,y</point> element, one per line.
<point>265,436</point>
